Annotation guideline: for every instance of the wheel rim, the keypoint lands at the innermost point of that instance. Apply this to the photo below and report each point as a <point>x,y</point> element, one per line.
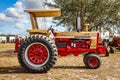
<point>37,54</point>
<point>93,62</point>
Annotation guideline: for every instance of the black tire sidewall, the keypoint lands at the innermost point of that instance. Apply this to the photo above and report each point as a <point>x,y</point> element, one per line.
<point>92,56</point>
<point>84,58</point>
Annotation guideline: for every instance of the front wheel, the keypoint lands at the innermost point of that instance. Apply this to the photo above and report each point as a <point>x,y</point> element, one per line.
<point>37,54</point>
<point>92,61</point>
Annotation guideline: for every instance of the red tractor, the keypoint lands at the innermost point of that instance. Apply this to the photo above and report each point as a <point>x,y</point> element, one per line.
<point>115,43</point>
<point>38,53</point>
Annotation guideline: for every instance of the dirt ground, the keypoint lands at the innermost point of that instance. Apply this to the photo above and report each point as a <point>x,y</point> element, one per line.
<point>66,68</point>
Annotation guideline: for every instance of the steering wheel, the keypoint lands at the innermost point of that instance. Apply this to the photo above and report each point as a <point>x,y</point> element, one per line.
<point>50,29</point>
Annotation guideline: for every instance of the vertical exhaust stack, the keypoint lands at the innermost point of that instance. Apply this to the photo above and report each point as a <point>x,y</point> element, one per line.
<point>78,22</point>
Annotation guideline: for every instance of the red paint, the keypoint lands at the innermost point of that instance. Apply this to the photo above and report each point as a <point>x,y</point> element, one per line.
<point>93,62</point>
<point>101,49</point>
<point>76,47</point>
<point>55,34</point>
<point>64,39</point>
<point>16,45</point>
<point>37,54</point>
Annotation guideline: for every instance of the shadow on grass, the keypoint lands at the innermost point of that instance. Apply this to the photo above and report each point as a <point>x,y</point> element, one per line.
<point>69,67</point>
<point>7,53</point>
<point>18,69</point>
<point>12,69</point>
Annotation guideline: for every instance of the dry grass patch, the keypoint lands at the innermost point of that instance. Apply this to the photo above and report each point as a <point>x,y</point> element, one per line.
<point>7,45</point>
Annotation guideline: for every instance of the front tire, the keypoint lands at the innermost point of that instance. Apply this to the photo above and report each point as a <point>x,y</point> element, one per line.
<point>37,54</point>
<point>92,61</point>
<point>84,57</point>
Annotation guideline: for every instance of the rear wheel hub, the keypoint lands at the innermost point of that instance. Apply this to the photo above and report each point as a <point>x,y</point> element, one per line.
<point>37,54</point>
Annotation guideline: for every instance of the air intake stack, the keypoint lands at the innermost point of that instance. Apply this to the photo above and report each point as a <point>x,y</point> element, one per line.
<point>78,22</point>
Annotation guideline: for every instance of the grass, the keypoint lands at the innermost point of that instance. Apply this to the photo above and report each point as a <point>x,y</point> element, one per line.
<point>66,68</point>
<point>7,45</point>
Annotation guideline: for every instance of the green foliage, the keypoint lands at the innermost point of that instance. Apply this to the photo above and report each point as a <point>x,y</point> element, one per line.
<point>98,13</point>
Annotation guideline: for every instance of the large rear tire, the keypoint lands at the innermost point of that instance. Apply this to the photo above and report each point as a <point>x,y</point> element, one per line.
<point>37,54</point>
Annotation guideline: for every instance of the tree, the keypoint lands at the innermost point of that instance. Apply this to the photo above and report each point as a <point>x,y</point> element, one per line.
<point>98,13</point>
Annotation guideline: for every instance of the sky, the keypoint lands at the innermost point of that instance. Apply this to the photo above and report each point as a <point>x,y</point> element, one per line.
<point>13,19</point>
<point>6,3</point>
